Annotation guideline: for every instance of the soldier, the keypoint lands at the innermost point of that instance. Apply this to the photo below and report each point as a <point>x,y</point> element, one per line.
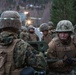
<point>24,34</point>
<point>51,29</point>
<point>51,25</point>
<point>46,36</point>
<point>32,34</point>
<point>63,48</point>
<point>15,54</point>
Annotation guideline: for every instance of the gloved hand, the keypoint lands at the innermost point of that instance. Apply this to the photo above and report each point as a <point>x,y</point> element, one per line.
<point>59,63</point>
<point>41,60</point>
<point>68,60</point>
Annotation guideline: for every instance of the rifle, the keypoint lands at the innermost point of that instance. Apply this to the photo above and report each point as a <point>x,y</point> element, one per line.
<point>68,60</point>
<point>42,46</point>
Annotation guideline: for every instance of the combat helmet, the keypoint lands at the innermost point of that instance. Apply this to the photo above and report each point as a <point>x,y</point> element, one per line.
<point>23,28</point>
<point>43,27</point>
<point>51,25</point>
<point>31,27</point>
<point>10,19</point>
<point>64,26</point>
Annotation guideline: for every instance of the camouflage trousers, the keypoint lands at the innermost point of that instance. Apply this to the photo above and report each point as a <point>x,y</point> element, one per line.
<point>71,73</point>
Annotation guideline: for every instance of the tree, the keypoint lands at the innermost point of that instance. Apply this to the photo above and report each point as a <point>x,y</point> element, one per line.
<point>62,10</point>
<point>74,6</point>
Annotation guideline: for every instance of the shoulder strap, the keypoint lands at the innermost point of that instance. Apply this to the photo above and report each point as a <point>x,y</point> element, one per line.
<point>14,42</point>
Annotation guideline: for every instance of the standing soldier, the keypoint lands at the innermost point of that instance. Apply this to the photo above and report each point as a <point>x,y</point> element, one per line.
<point>51,29</point>
<point>32,34</point>
<point>63,48</point>
<point>24,34</point>
<point>15,54</point>
<point>45,30</point>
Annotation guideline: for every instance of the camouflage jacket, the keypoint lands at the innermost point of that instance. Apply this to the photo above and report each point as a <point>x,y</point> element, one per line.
<point>24,36</point>
<point>24,54</point>
<point>47,38</point>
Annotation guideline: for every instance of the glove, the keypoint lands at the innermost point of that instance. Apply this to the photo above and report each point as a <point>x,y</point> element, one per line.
<point>68,61</point>
<point>41,60</point>
<point>59,63</point>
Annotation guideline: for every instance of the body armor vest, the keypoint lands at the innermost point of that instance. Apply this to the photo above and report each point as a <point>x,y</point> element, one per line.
<point>7,66</point>
<point>33,37</point>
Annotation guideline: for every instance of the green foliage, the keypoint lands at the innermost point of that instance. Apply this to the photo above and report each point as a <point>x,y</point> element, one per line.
<point>62,10</point>
<point>74,6</point>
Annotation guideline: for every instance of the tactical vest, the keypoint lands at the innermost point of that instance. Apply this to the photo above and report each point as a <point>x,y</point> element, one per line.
<point>7,66</point>
<point>60,51</point>
<point>33,37</point>
<point>47,38</point>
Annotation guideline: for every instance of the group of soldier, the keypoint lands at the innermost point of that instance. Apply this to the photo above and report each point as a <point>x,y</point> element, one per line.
<point>17,57</point>
<point>46,30</point>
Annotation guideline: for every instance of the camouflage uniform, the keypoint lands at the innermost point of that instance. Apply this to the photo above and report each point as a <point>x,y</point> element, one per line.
<point>51,29</point>
<point>22,51</point>
<point>46,38</point>
<point>24,34</point>
<point>59,49</point>
<point>19,53</point>
<point>44,28</point>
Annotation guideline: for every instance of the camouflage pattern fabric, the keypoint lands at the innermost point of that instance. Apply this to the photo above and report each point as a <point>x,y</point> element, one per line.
<point>33,37</point>
<point>24,36</point>
<point>24,54</point>
<point>43,27</point>
<point>64,26</point>
<point>44,38</point>
<point>12,20</point>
